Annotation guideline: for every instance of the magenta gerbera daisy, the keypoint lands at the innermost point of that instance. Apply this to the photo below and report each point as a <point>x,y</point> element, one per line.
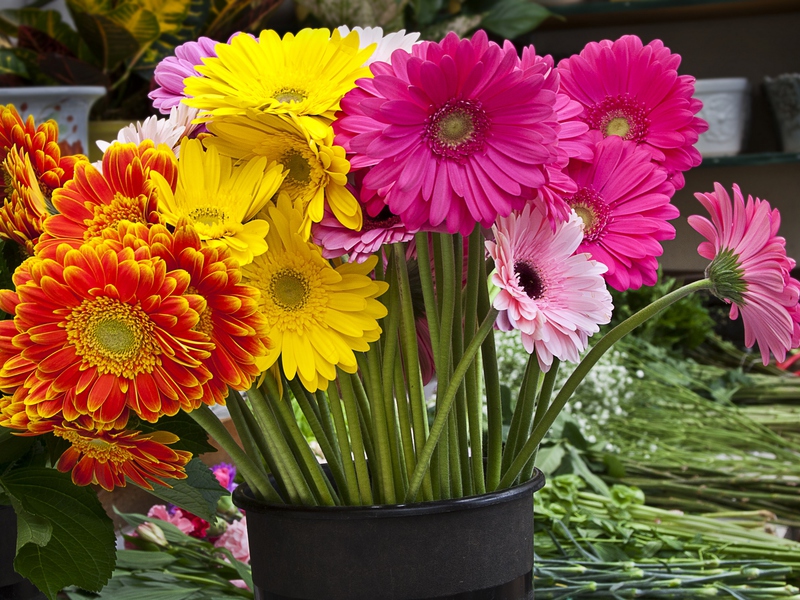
<point>555,298</point>
<point>171,72</point>
<point>749,268</point>
<point>634,92</point>
<point>456,132</point>
<point>624,201</point>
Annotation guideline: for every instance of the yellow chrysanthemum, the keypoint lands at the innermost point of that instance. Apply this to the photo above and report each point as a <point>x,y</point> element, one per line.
<point>317,169</point>
<point>303,75</point>
<point>318,315</point>
<point>221,199</point>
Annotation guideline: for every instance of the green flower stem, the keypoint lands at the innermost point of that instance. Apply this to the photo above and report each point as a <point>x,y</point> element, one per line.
<point>327,421</point>
<point>328,450</point>
<point>472,385</point>
<point>523,412</point>
<point>235,407</point>
<point>285,462</point>
<point>252,474</point>
<point>542,405</point>
<point>351,410</point>
<point>446,399</point>
<point>454,453</point>
<point>461,412</point>
<point>494,405</point>
<point>379,427</point>
<point>404,420</point>
<point>605,343</point>
<point>410,353</point>
<point>426,283</point>
<point>306,459</point>
<point>344,444</point>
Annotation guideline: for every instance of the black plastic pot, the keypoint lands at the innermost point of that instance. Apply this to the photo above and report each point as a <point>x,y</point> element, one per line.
<point>476,548</point>
<point>12,585</point>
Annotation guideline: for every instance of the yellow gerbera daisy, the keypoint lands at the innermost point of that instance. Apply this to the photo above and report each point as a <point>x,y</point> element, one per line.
<point>317,169</point>
<point>221,199</point>
<point>318,315</point>
<point>303,75</point>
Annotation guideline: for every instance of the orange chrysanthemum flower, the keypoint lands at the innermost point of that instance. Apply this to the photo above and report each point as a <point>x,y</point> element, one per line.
<point>106,458</point>
<point>100,331</point>
<point>231,320</point>
<point>25,206</point>
<point>94,201</point>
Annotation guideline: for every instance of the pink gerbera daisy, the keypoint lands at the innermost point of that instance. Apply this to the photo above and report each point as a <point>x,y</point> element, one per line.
<point>171,72</point>
<point>555,298</point>
<point>634,92</point>
<point>456,132</point>
<point>623,199</point>
<point>749,268</point>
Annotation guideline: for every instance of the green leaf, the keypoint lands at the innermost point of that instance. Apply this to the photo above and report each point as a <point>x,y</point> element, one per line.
<point>10,64</point>
<point>30,528</point>
<point>614,466</point>
<point>198,493</point>
<point>12,447</point>
<point>108,39</point>
<point>48,22</point>
<point>549,459</point>
<point>579,467</point>
<point>513,18</point>
<point>193,438</point>
<point>242,569</point>
<point>139,22</point>
<point>140,559</point>
<point>171,532</point>
<point>81,548</point>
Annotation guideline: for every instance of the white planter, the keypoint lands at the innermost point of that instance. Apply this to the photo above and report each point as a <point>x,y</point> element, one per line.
<point>726,107</point>
<point>68,105</point>
<point>784,96</point>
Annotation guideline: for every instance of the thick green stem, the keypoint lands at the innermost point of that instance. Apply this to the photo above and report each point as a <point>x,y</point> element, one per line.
<point>542,405</point>
<point>472,385</point>
<point>351,409</point>
<point>252,474</point>
<point>605,343</point>
<point>523,412</point>
<point>380,428</point>
<point>426,283</point>
<point>235,407</point>
<point>446,402</point>
<point>404,419</point>
<point>352,494</point>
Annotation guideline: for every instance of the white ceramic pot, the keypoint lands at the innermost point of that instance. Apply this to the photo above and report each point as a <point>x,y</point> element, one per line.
<point>68,105</point>
<point>784,96</point>
<point>726,107</point>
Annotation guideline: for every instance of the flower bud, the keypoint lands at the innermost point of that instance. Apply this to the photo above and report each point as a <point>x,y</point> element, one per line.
<point>152,533</point>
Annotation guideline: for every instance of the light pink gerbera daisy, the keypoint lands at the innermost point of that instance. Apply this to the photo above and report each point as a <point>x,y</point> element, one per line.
<point>749,268</point>
<point>456,132</point>
<point>634,92</point>
<point>555,298</point>
<point>171,72</point>
<point>624,201</point>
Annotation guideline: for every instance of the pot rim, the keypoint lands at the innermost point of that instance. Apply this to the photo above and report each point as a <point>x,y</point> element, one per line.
<point>243,498</point>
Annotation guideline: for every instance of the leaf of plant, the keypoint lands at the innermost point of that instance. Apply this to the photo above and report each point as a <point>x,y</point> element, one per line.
<point>549,459</point>
<point>614,466</point>
<point>198,493</point>
<point>513,18</point>
<point>81,550</point>
<point>11,65</point>
<point>141,23</point>
<point>242,569</point>
<point>193,438</point>
<point>12,447</point>
<point>580,467</point>
<point>175,33</point>
<point>48,23</point>
<point>30,528</point>
<point>141,559</point>
<point>110,41</point>
<point>171,533</point>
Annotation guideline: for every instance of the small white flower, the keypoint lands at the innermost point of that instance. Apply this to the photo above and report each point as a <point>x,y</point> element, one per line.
<point>167,131</point>
<point>386,44</point>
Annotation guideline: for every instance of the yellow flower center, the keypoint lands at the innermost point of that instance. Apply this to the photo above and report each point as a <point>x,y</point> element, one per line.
<point>618,126</point>
<point>208,215</point>
<point>107,216</point>
<point>289,289</point>
<point>456,128</point>
<point>297,165</point>
<point>586,215</point>
<point>114,337</point>
<point>95,448</point>
<point>289,95</point>
<point>205,324</point>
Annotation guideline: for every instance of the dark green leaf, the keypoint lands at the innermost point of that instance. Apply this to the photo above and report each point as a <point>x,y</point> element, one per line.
<point>10,64</point>
<point>48,22</point>
<point>198,493</point>
<point>573,433</point>
<point>109,40</point>
<point>549,459</point>
<point>81,547</point>
<point>139,559</point>
<point>513,18</point>
<point>425,10</point>
<point>193,438</point>
<point>12,447</point>
<point>242,569</point>
<point>580,467</point>
<point>614,466</point>
<point>171,533</point>
<point>30,528</point>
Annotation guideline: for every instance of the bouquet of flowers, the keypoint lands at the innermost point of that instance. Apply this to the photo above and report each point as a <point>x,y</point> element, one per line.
<point>335,219</point>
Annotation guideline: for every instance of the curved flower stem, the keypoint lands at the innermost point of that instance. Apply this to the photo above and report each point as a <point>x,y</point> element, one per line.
<point>446,401</point>
<point>523,412</point>
<point>605,343</point>
<point>494,405</point>
<point>234,404</point>
<point>249,470</point>
<point>542,405</point>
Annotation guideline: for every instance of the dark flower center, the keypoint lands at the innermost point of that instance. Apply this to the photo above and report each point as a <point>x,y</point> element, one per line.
<point>383,220</point>
<point>594,212</point>
<point>622,116</point>
<point>529,279</point>
<point>457,130</point>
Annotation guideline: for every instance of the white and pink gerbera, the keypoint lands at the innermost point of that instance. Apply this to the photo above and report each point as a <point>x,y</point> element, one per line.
<point>554,297</point>
<point>749,268</point>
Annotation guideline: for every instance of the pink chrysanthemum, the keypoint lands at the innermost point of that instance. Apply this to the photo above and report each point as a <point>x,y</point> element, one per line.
<point>623,199</point>
<point>171,72</point>
<point>555,298</point>
<point>634,92</point>
<point>456,133</point>
<point>749,268</point>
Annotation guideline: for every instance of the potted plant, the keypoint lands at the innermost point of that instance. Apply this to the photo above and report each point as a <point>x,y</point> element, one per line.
<point>344,231</point>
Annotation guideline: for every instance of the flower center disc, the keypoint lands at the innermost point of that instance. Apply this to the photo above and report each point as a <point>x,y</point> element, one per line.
<point>289,95</point>
<point>529,279</point>
<point>106,216</point>
<point>623,116</point>
<point>297,165</point>
<point>593,211</point>
<point>115,336</point>
<point>457,130</point>
<point>209,215</point>
<point>289,289</point>
<point>618,126</point>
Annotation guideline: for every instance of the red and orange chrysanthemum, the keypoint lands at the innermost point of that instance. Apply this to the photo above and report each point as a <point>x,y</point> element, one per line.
<point>100,331</point>
<point>94,201</point>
